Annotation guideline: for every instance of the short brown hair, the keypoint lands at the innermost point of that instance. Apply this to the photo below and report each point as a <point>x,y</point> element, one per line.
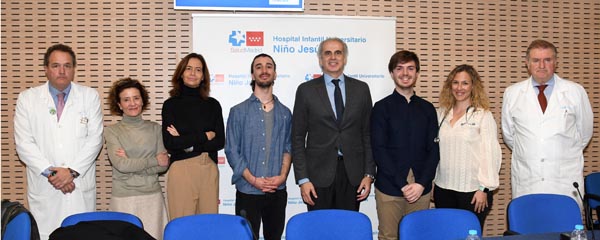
<point>177,79</point>
<point>543,44</point>
<point>118,87</point>
<point>403,56</point>
<point>62,48</point>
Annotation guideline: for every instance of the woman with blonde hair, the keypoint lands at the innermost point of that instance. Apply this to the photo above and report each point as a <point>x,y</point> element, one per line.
<point>470,154</point>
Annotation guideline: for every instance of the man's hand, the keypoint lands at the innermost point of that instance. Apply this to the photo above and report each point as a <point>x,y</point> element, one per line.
<point>308,191</point>
<point>61,178</point>
<point>68,188</point>
<point>262,184</point>
<point>364,189</point>
<point>275,181</point>
<point>412,192</point>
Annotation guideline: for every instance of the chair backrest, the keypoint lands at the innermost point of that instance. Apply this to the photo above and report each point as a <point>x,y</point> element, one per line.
<point>592,186</point>
<point>208,226</point>
<point>19,228</point>
<point>592,196</point>
<point>101,215</point>
<point>17,221</point>
<point>329,224</point>
<point>438,223</point>
<point>543,213</point>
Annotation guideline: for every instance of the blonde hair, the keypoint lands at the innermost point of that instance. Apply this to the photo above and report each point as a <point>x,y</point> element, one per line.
<point>479,98</point>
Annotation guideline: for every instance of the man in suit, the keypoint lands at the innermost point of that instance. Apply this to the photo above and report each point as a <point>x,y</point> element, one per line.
<point>547,122</point>
<point>331,145</point>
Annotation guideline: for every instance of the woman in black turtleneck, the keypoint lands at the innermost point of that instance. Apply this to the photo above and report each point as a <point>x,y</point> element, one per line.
<point>193,133</point>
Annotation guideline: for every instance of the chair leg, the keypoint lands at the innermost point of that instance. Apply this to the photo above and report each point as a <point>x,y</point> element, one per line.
<point>588,216</point>
<point>589,220</point>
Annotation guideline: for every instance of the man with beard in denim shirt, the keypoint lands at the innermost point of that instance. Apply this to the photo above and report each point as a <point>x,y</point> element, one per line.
<point>258,148</point>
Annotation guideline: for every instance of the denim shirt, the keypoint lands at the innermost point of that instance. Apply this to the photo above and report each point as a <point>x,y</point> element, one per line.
<point>245,142</point>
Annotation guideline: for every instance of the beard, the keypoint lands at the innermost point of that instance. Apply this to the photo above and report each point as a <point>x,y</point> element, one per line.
<point>265,84</point>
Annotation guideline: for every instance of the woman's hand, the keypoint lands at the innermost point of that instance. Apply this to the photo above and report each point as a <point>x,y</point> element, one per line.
<point>210,135</point>
<point>480,201</point>
<point>163,159</point>
<point>121,153</point>
<point>173,131</point>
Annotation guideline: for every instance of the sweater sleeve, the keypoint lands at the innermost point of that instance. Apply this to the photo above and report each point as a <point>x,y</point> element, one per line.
<point>218,142</point>
<point>433,150</point>
<point>183,141</point>
<point>123,164</point>
<point>155,168</point>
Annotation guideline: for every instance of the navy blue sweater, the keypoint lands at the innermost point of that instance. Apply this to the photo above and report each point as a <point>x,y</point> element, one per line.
<point>402,138</point>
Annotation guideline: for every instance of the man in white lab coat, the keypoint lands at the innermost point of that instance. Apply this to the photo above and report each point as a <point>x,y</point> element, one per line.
<point>546,131</point>
<point>58,134</point>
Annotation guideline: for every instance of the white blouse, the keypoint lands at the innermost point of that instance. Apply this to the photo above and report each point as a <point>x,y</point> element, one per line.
<point>470,154</point>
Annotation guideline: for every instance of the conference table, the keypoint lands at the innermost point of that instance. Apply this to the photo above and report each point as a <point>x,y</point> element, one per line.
<point>540,236</point>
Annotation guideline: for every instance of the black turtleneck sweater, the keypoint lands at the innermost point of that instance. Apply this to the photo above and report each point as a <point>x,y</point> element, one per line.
<point>192,116</point>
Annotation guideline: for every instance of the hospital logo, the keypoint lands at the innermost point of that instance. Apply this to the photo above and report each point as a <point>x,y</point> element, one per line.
<point>310,76</point>
<point>217,78</point>
<point>248,38</point>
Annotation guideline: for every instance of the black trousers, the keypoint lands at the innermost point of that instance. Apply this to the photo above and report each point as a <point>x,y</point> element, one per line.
<point>445,198</point>
<point>270,208</point>
<point>339,195</point>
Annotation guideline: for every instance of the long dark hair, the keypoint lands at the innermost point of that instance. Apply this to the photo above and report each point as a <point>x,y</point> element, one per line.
<point>177,79</point>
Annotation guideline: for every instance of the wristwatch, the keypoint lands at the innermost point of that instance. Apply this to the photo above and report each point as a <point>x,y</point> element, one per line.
<point>74,173</point>
<point>484,189</point>
<point>370,176</point>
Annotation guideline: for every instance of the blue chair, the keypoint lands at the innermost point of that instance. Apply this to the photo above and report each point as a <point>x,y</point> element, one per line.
<point>438,223</point>
<point>19,228</point>
<point>101,215</point>
<point>329,224</point>
<point>592,199</point>
<point>208,226</point>
<point>542,213</point>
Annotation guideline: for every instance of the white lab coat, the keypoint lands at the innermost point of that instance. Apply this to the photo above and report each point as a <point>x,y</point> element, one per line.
<point>73,142</point>
<point>547,148</point>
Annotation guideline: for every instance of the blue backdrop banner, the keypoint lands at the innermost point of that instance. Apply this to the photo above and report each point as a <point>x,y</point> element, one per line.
<point>245,5</point>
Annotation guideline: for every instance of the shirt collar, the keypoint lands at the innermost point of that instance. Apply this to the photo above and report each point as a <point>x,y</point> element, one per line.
<point>54,91</point>
<point>413,97</point>
<point>328,79</point>
<point>549,83</point>
<point>255,99</point>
